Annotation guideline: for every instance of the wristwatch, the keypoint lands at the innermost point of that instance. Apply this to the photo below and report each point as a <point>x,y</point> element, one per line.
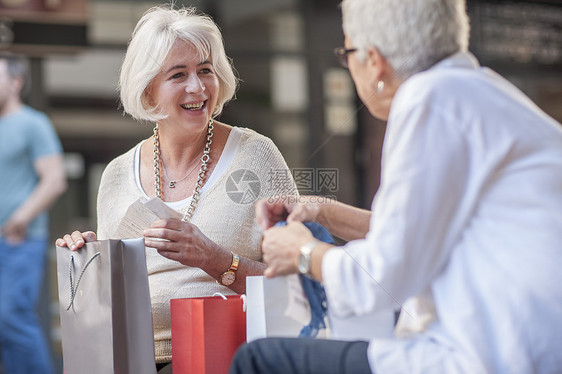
<point>304,259</point>
<point>229,276</point>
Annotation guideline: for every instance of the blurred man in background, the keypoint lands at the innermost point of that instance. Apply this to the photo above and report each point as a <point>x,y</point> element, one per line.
<point>32,178</point>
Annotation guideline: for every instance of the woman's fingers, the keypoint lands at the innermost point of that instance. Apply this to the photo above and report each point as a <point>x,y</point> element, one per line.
<point>269,213</point>
<point>170,223</point>
<point>171,255</point>
<point>179,241</point>
<point>169,235</point>
<point>281,248</point>
<point>261,214</point>
<point>70,240</point>
<point>299,214</point>
<point>181,233</point>
<point>305,210</point>
<point>89,236</point>
<point>76,240</point>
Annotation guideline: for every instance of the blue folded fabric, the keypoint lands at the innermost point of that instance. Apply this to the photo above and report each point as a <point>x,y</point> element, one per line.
<point>313,289</point>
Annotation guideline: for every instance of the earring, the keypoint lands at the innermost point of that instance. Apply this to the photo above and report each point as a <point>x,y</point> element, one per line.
<point>378,86</point>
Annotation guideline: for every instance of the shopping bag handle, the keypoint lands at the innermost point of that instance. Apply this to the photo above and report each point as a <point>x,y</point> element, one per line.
<point>243,297</point>
<point>73,288</point>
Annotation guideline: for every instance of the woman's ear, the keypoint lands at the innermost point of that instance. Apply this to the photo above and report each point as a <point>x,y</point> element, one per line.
<point>376,63</point>
<point>148,96</point>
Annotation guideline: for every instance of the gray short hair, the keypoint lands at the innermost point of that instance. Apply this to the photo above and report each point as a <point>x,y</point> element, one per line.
<point>411,34</point>
<point>152,39</point>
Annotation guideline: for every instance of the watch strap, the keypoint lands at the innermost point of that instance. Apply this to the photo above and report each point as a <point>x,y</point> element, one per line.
<point>235,261</point>
<point>306,250</point>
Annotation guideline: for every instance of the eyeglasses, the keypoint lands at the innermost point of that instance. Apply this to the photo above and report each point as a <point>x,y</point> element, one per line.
<point>342,54</point>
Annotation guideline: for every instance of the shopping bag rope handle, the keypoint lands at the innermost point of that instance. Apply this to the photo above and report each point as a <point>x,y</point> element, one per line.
<point>219,294</point>
<point>73,288</point>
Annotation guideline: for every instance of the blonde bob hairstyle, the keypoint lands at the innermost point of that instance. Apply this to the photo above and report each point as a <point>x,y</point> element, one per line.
<point>152,39</point>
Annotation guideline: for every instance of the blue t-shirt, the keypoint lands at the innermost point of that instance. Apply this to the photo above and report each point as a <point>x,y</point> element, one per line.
<point>25,136</point>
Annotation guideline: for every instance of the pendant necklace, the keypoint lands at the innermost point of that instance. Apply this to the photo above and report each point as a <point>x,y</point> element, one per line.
<point>205,158</point>
<point>172,183</point>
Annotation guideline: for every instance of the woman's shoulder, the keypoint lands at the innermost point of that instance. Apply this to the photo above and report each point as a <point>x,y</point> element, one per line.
<point>443,82</point>
<point>257,151</point>
<point>259,154</point>
<point>121,164</point>
<point>252,139</point>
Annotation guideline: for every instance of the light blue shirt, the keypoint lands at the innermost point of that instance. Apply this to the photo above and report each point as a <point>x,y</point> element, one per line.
<point>470,208</point>
<point>25,137</point>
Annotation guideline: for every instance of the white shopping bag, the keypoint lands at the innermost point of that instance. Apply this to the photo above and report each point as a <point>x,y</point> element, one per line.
<point>365,327</point>
<point>274,307</point>
<point>279,307</point>
<point>105,311</point>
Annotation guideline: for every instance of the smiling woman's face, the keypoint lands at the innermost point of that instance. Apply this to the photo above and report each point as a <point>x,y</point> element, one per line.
<point>186,88</point>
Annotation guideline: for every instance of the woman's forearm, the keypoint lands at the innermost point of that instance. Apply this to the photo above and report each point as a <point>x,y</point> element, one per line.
<point>344,221</point>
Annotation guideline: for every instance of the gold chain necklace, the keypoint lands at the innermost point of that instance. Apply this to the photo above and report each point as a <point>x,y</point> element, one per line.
<point>205,158</point>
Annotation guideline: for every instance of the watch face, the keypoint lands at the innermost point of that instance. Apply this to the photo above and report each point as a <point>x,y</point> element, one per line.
<point>304,264</point>
<point>228,278</point>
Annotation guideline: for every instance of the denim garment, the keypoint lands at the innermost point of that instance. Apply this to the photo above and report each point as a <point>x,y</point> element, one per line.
<point>313,289</point>
<point>23,346</point>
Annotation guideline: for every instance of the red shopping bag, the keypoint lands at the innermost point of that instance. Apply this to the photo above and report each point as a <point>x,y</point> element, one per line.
<point>206,331</point>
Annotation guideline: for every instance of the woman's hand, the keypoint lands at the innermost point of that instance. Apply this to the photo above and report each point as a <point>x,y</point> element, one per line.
<point>291,209</point>
<point>281,248</point>
<point>76,240</point>
<point>180,241</point>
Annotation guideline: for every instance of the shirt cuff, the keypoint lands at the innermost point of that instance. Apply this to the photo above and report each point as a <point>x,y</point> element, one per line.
<point>331,273</point>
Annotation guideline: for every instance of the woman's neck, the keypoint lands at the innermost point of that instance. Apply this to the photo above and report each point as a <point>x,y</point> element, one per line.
<point>178,150</point>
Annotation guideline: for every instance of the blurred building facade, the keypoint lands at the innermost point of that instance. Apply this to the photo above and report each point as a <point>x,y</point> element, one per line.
<point>292,88</point>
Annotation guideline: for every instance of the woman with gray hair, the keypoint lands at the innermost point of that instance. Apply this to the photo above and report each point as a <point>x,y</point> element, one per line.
<point>176,74</point>
<point>468,212</point>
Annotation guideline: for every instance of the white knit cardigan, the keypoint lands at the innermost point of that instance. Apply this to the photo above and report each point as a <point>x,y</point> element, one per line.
<point>224,221</point>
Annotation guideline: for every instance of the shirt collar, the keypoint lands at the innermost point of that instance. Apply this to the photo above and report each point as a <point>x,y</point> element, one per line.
<point>458,60</point>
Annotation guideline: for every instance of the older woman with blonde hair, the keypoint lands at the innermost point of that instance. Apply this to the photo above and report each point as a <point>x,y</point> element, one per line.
<point>176,74</point>
<point>468,213</point>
